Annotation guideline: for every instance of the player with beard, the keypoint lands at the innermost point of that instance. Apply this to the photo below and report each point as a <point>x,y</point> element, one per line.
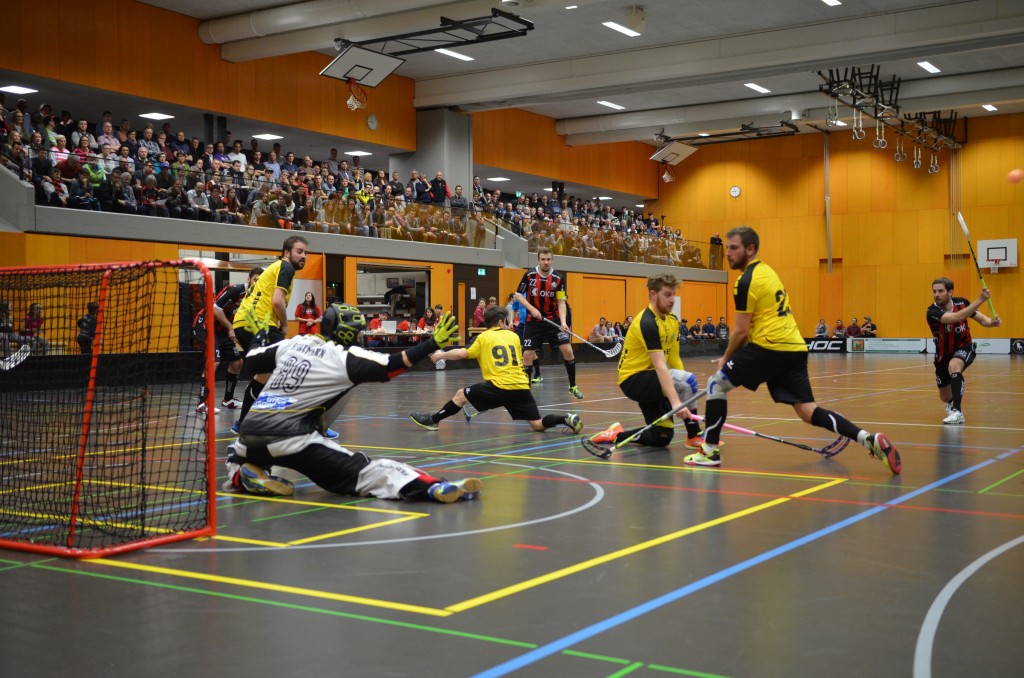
<point>766,347</point>
<point>954,348</point>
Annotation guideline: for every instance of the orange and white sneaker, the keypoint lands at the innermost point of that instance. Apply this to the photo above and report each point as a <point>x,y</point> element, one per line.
<point>695,442</point>
<point>882,448</point>
<point>608,435</point>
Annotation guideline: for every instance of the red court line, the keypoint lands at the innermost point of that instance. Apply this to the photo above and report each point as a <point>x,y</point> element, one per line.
<point>531,547</point>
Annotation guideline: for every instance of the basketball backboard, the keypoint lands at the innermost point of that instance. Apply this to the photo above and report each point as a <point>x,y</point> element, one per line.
<point>366,67</point>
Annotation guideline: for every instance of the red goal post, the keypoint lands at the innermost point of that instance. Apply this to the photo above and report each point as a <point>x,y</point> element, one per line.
<point>101,448</point>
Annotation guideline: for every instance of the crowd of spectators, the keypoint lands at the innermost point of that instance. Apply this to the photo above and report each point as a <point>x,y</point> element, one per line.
<point>868,330</point>
<point>113,167</point>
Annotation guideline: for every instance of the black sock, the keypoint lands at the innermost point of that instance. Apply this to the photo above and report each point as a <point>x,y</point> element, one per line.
<point>229,386</point>
<point>448,410</point>
<point>692,427</point>
<point>717,411</point>
<point>252,392</point>
<point>536,368</point>
<point>550,420</point>
<point>835,422</point>
<point>957,385</point>
<point>570,369</point>
<point>529,370</point>
<point>202,391</point>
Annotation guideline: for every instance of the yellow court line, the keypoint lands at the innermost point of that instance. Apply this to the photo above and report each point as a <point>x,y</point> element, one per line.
<point>301,502</point>
<point>351,530</point>
<point>253,542</point>
<point>601,462</point>
<point>615,555</point>
<point>264,586</point>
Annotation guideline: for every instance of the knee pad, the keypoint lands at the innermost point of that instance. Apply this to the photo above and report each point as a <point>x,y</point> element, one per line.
<point>719,385</point>
<point>685,383</point>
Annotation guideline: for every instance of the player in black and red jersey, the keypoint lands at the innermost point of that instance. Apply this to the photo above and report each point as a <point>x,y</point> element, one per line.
<point>954,348</point>
<point>542,291</point>
<point>225,344</point>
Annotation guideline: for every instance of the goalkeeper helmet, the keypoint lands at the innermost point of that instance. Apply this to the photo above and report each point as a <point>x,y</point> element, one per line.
<point>342,324</point>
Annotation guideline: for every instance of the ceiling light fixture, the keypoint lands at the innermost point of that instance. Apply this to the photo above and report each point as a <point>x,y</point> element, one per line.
<point>17,89</point>
<point>989,107</point>
<point>839,123</point>
<point>757,88</point>
<point>549,190</point>
<point>571,6</point>
<point>357,153</point>
<point>267,137</point>
<point>498,179</point>
<point>832,3</point>
<point>611,105</point>
<point>633,24</point>
<point>454,55</point>
<point>703,134</point>
<point>156,116</point>
<point>928,67</point>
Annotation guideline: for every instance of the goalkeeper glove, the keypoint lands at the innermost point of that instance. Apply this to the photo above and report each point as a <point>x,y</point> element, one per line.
<point>446,330</point>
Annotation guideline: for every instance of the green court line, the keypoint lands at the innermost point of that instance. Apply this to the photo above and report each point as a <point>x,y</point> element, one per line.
<point>628,670</point>
<point>346,615</point>
<point>683,672</point>
<point>997,484</point>
<point>289,515</point>
<point>596,657</point>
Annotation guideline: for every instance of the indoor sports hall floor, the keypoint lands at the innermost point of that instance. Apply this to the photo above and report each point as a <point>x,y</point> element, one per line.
<point>778,564</point>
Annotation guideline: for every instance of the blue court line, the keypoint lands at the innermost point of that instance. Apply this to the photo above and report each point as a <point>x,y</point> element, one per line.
<point>557,646</point>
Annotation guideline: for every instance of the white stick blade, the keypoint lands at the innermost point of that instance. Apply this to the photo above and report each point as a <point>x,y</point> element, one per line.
<point>963,225</point>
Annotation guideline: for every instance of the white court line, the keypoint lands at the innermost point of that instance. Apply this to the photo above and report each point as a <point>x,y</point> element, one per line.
<point>926,638</point>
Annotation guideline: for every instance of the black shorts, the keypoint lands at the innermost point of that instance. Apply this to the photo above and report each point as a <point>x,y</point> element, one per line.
<point>519,402</point>
<point>942,377</point>
<point>537,332</point>
<point>332,470</point>
<point>249,340</point>
<point>785,372</point>
<point>223,347</point>
<point>645,389</point>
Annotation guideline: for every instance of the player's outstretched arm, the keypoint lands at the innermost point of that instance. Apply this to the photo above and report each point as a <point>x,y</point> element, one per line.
<point>449,355</point>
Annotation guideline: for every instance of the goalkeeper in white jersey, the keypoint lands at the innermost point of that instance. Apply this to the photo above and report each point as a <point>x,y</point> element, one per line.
<point>311,378</point>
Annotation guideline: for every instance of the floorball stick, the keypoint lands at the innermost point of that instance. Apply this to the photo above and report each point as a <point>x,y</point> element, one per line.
<point>829,451</point>
<point>608,353</point>
<point>16,358</point>
<point>604,451</point>
<point>963,225</point>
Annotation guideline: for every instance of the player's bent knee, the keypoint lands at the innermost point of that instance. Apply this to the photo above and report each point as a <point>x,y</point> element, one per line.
<point>657,436</point>
<point>685,383</point>
<point>718,386</point>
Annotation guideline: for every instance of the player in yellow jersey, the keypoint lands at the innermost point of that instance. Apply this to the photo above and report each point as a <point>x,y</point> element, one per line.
<point>766,348</point>
<point>651,371</point>
<point>505,383</point>
<point>262,317</point>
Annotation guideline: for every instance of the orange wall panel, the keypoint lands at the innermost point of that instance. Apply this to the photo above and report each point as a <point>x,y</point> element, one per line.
<point>150,52</point>
<point>535,148</point>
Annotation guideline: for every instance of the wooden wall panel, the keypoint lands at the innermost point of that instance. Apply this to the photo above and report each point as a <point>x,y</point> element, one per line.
<point>890,222</point>
<point>150,52</point>
<point>535,148</point>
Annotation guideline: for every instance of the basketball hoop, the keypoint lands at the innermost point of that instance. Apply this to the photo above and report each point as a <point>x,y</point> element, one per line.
<point>993,267</point>
<point>357,95</point>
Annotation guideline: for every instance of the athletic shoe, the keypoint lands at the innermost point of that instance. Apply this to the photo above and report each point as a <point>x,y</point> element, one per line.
<point>882,448</point>
<point>201,409</point>
<point>232,404</point>
<point>574,422</point>
<point>954,417</point>
<point>708,456</point>
<point>233,468</point>
<point>949,408</point>
<point>608,435</point>
<point>237,427</point>
<point>537,380</point>
<point>447,492</point>
<point>255,480</point>
<point>695,442</point>
<point>331,434</point>
<point>575,390</point>
<point>424,419</point>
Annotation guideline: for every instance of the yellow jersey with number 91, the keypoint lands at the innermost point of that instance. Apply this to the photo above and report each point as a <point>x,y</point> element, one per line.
<point>759,292</point>
<point>500,356</point>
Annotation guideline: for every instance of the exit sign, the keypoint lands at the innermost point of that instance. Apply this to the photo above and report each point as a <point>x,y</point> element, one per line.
<point>481,271</point>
